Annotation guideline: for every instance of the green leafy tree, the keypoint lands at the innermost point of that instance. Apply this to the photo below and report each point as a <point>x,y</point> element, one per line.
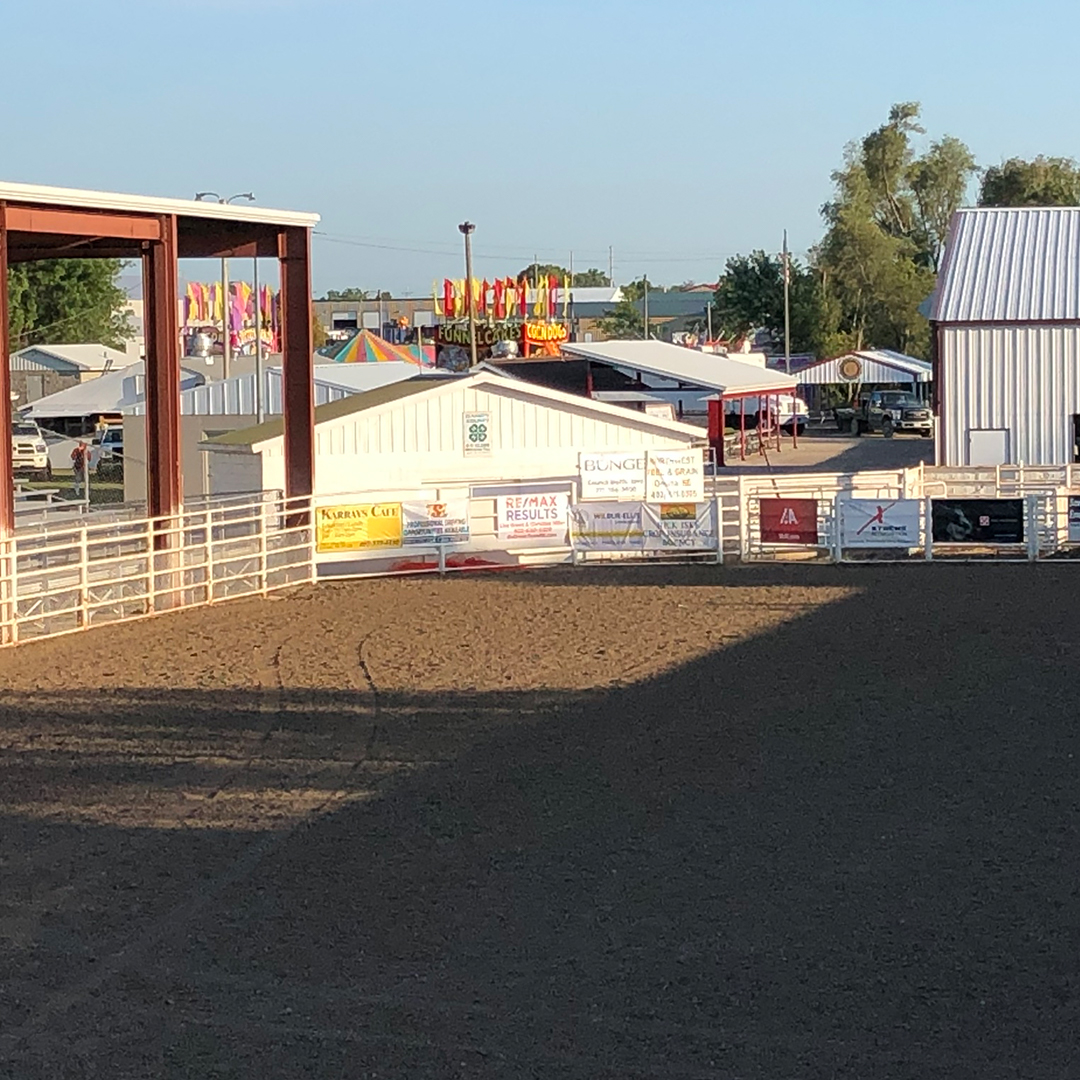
<point>351,294</point>
<point>590,279</point>
<point>625,321</point>
<point>1044,181</point>
<point>535,270</point>
<point>62,301</point>
<point>750,296</point>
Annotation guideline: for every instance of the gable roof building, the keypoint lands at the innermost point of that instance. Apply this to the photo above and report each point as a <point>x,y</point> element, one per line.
<point>1006,336</point>
<point>415,434</point>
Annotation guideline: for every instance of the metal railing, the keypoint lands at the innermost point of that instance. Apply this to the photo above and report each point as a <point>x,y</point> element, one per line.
<point>73,577</point>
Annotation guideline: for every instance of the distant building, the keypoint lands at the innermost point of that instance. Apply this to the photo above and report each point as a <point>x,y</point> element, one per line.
<point>40,370</point>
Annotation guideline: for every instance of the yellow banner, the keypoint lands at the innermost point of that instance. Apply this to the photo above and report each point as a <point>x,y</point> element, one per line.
<point>353,528</point>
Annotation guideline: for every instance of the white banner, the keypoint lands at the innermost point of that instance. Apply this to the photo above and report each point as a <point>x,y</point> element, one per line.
<point>533,517</point>
<point>611,526</point>
<point>880,523</point>
<point>1074,519</point>
<point>434,523</point>
<point>613,476</point>
<point>674,476</point>
<point>679,526</point>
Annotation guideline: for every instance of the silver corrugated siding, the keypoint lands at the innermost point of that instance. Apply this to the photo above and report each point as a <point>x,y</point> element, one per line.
<point>873,371</point>
<point>1025,379</point>
<point>1017,264</point>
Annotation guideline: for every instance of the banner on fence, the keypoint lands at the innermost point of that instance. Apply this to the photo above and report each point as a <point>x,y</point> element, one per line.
<point>674,476</point>
<point>1074,519</point>
<point>612,526</point>
<point>977,521</point>
<point>879,523</point>
<point>679,526</point>
<point>613,476</point>
<point>533,517</point>
<point>789,521</point>
<point>357,526</point>
<point>434,523</point>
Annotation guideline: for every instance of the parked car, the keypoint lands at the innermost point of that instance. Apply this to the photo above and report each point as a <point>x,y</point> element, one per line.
<point>109,453</point>
<point>29,451</point>
<point>890,412</point>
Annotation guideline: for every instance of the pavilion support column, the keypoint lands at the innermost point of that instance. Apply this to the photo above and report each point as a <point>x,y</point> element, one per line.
<point>7,493</point>
<point>297,364</point>
<point>164,491</point>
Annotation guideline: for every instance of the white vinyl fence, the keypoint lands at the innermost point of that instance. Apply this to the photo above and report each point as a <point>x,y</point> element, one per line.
<point>63,573</point>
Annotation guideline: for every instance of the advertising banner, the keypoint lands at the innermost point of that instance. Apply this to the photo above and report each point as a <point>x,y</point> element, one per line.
<point>978,521</point>
<point>674,476</point>
<point>679,526</point>
<point>789,521</point>
<point>1074,519</point>
<point>434,522</point>
<point>533,517</point>
<point>613,476</point>
<point>477,433</point>
<point>611,526</point>
<point>879,523</point>
<point>356,527</point>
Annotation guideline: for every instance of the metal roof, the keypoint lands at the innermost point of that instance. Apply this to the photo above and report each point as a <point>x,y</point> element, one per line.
<point>109,393</point>
<point>40,195</point>
<point>80,357</point>
<point>1010,264</point>
<point>875,366</point>
<point>235,396</point>
<point>676,362</point>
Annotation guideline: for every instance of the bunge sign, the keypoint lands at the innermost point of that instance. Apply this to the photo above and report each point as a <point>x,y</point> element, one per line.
<point>789,521</point>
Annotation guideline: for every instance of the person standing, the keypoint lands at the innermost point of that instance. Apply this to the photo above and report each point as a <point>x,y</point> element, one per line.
<point>80,463</point>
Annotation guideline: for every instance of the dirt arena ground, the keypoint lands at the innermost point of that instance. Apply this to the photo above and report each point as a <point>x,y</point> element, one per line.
<point>779,822</point>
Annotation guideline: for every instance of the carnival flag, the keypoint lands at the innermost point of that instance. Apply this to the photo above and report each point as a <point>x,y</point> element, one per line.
<point>448,298</point>
<point>565,296</point>
<point>553,284</point>
<point>500,297</point>
<point>435,297</point>
<point>483,308</point>
<point>523,297</point>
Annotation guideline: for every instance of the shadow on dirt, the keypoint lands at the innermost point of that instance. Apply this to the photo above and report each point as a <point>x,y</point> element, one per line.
<point>846,848</point>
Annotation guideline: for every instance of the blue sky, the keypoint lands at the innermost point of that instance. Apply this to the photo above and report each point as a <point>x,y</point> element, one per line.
<point>678,133</point>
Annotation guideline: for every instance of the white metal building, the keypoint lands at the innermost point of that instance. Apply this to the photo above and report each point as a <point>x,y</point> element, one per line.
<point>874,366</point>
<point>1006,324</point>
<point>415,434</point>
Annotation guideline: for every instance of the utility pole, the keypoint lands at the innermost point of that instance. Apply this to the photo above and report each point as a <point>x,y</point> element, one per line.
<point>787,308</point>
<point>611,266</point>
<point>708,316</point>
<point>645,302</point>
<point>467,228</point>
<point>260,411</point>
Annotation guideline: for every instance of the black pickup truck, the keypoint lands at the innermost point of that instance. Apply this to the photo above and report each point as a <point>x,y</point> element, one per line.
<point>892,412</point>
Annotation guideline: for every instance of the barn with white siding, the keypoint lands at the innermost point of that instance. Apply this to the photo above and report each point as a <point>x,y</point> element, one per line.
<point>421,432</point>
<point>1006,337</point>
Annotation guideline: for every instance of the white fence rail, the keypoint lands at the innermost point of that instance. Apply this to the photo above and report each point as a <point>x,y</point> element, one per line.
<point>68,575</point>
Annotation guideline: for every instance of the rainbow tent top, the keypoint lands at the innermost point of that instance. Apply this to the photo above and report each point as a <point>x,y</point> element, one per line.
<point>368,348</point>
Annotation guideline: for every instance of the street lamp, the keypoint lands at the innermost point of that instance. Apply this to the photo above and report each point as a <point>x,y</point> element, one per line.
<point>225,344</point>
<point>467,228</point>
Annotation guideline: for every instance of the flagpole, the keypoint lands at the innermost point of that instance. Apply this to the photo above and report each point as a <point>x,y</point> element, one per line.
<point>787,308</point>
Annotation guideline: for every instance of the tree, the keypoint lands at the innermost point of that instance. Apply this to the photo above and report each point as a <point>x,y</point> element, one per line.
<point>1043,182</point>
<point>750,296</point>
<point>591,279</point>
<point>542,270</point>
<point>352,293</point>
<point>62,301</point>
<point>318,331</point>
<point>625,321</point>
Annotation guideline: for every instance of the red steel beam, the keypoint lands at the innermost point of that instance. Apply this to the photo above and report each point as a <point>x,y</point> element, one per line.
<point>161,321</point>
<point>34,219</point>
<point>7,493</point>
<point>297,365</point>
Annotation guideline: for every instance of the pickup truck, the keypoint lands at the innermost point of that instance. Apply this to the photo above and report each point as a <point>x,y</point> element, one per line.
<point>29,451</point>
<point>891,412</point>
<point>108,453</point>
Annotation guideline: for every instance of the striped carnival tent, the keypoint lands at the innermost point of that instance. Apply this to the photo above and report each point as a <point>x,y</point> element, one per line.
<point>368,348</point>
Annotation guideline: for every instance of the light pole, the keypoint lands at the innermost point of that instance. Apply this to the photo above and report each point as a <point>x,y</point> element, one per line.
<point>787,309</point>
<point>225,343</point>
<point>467,228</point>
